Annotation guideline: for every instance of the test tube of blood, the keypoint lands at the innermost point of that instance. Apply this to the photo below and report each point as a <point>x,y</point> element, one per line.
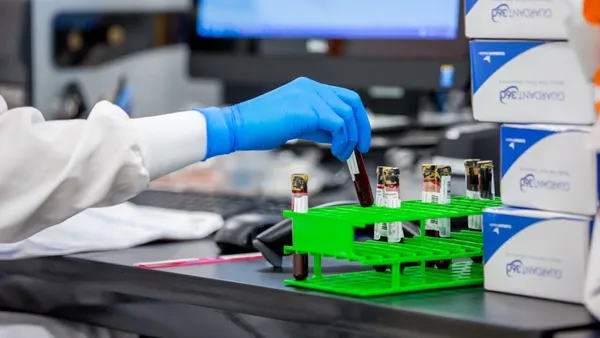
<point>472,182</point>
<point>391,178</point>
<point>431,187</point>
<point>430,194</point>
<point>444,173</point>
<point>380,229</point>
<point>485,185</point>
<point>300,204</point>
<point>379,200</point>
<point>486,180</point>
<point>360,178</point>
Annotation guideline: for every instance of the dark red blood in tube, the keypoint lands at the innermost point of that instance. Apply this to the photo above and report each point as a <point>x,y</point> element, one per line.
<point>445,264</point>
<point>361,183</point>
<point>300,266</point>
<point>431,233</point>
<point>299,261</point>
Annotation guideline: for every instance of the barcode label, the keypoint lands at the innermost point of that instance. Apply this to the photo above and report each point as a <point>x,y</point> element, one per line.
<point>475,222</point>
<point>431,224</point>
<point>434,197</point>
<point>446,189</point>
<point>379,199</point>
<point>393,203</point>
<point>425,197</point>
<point>380,231</point>
<point>444,227</point>
<point>391,195</point>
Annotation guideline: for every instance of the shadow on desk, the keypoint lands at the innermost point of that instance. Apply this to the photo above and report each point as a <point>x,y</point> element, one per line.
<point>145,316</point>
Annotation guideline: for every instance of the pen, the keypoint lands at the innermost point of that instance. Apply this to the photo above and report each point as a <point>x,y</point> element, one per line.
<point>198,261</point>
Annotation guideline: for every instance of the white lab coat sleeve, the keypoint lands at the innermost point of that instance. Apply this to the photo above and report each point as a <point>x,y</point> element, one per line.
<point>52,170</point>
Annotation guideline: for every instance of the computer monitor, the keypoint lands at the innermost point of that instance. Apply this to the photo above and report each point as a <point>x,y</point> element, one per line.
<point>412,44</point>
<point>373,19</point>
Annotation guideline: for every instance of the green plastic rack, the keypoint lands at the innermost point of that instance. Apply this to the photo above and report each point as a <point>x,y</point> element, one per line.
<point>329,232</point>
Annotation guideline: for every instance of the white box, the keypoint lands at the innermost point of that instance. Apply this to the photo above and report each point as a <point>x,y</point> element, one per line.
<point>529,82</point>
<point>549,167</point>
<point>535,253</point>
<point>518,19</point>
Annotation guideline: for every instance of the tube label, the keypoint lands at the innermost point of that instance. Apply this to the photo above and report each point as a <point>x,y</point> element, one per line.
<point>446,190</point>
<point>353,166</point>
<point>444,227</point>
<point>301,204</point>
<point>395,232</point>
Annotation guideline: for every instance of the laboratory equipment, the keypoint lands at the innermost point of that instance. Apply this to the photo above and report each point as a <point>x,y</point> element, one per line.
<point>63,56</point>
<point>338,242</point>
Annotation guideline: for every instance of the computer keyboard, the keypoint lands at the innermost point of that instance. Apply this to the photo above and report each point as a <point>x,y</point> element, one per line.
<point>227,205</point>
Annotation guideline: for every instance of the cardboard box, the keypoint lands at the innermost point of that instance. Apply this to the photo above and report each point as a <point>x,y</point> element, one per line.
<point>549,167</point>
<point>536,253</point>
<point>530,82</point>
<point>518,19</point>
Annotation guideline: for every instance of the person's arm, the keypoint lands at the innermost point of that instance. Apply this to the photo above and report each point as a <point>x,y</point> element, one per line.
<point>52,170</point>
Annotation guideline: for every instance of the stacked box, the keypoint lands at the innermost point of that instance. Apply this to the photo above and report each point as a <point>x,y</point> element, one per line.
<point>527,74</point>
<point>518,19</point>
<point>536,253</point>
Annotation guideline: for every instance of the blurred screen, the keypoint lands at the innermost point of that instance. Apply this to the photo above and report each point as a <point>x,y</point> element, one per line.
<point>345,19</point>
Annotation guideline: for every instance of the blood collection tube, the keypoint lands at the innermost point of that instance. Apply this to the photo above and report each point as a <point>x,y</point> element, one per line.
<point>428,186</point>
<point>391,178</point>
<point>300,204</point>
<point>356,164</point>
<point>486,180</point>
<point>380,229</point>
<point>430,194</point>
<point>472,185</point>
<point>444,173</point>
<point>379,201</point>
<point>475,222</point>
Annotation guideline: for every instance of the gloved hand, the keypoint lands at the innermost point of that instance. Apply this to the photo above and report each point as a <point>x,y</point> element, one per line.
<point>301,109</point>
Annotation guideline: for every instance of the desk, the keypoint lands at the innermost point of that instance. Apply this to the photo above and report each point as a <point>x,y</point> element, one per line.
<point>103,288</point>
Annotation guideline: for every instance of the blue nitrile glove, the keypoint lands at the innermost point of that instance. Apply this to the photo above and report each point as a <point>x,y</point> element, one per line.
<point>301,109</point>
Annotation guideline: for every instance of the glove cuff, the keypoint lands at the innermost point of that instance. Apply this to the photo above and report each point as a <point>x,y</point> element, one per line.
<point>220,131</point>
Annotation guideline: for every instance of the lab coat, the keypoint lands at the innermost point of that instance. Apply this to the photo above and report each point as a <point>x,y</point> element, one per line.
<point>52,170</point>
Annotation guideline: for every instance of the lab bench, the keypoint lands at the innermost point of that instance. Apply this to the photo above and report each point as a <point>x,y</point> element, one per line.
<point>249,299</point>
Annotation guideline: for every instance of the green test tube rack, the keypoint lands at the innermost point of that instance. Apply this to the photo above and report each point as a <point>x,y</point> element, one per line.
<point>329,232</point>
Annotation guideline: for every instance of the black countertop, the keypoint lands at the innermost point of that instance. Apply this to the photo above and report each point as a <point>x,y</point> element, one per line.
<point>254,288</point>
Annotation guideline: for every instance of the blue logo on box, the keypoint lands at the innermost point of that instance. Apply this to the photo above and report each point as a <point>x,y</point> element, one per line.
<point>504,11</point>
<point>517,268</point>
<point>530,182</point>
<point>513,93</point>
